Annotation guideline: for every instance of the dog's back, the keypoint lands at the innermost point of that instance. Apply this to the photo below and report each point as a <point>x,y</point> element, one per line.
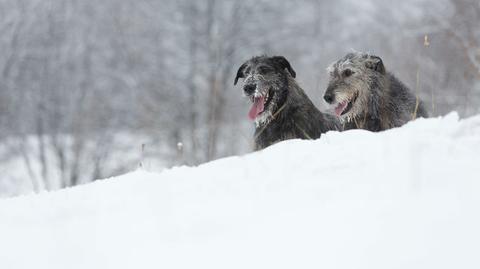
<point>404,103</point>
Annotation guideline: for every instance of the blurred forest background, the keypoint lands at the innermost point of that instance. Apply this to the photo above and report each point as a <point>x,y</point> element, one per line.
<point>85,85</point>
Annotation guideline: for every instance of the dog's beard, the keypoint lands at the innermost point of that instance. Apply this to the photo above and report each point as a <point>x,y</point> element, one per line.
<point>263,104</point>
<point>271,108</point>
<point>346,106</point>
<point>264,118</point>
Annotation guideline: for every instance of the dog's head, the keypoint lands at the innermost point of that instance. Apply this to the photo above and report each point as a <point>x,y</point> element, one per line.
<point>351,82</point>
<point>265,80</point>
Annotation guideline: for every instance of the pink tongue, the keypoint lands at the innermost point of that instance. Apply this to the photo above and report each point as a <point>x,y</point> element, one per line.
<point>257,108</point>
<point>339,109</point>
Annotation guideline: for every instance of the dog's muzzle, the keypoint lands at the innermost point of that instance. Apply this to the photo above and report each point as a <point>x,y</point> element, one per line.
<point>249,89</point>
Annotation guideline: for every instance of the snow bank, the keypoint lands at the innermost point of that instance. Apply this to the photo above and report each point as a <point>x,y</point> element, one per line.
<point>404,198</point>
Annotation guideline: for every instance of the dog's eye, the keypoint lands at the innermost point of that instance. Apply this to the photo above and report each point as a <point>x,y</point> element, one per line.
<point>347,73</point>
<point>262,70</point>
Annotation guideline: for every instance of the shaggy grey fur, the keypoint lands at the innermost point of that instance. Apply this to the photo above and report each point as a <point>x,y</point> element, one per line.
<point>288,113</point>
<point>364,95</point>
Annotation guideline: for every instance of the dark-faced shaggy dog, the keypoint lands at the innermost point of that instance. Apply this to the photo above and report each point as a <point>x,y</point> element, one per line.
<point>364,95</point>
<point>280,108</point>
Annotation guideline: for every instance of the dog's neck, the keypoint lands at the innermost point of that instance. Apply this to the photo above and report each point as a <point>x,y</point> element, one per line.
<point>297,117</point>
<point>378,111</point>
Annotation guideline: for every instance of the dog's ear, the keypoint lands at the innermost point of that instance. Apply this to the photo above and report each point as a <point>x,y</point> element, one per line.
<point>239,73</point>
<point>283,63</point>
<point>375,63</point>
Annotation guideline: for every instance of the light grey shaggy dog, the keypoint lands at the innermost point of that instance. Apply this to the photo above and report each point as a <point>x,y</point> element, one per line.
<point>280,108</point>
<point>364,95</point>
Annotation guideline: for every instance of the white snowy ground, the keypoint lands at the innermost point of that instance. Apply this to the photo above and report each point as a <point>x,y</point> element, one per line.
<point>404,198</point>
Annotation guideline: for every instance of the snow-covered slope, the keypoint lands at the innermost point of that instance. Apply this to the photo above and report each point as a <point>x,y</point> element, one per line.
<point>404,198</point>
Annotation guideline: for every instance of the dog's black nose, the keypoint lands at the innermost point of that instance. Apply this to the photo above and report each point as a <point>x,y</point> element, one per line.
<point>249,88</point>
<point>328,97</point>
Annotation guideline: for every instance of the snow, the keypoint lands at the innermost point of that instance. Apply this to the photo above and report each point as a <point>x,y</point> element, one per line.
<point>403,198</point>
<point>123,153</point>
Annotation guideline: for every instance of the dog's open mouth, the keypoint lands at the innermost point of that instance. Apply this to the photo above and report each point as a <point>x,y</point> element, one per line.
<point>259,104</point>
<point>345,106</point>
